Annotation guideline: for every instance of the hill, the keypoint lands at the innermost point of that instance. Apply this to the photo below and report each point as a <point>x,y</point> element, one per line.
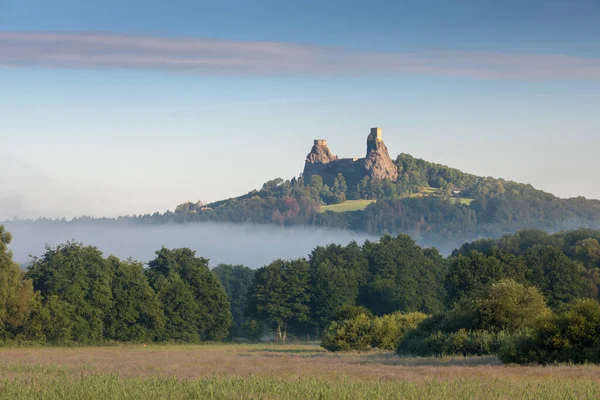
<point>434,203</point>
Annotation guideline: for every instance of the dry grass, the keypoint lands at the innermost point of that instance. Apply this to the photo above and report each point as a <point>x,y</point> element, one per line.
<point>267,369</point>
<point>274,360</point>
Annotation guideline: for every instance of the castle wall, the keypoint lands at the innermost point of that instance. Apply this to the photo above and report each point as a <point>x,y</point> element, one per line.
<point>351,168</point>
<point>377,164</point>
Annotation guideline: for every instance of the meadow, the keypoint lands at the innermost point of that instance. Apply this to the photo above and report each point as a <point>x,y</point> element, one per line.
<point>269,371</point>
<point>358,205</point>
<point>349,205</point>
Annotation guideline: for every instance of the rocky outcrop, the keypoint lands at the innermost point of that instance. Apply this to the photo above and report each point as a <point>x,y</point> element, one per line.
<point>378,164</point>
<point>320,153</point>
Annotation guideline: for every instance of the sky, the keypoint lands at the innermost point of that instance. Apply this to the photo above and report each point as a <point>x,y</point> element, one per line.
<point>128,107</point>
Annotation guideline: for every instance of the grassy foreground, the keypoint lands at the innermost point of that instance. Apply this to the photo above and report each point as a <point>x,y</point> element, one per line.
<point>275,372</point>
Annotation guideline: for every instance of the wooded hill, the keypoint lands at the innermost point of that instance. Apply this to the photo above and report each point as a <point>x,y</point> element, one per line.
<point>432,202</point>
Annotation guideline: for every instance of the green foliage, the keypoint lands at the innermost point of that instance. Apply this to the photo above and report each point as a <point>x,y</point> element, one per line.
<point>251,329</point>
<point>559,278</point>
<point>80,277</point>
<point>389,330</point>
<point>182,312</point>
<point>364,332</point>
<point>236,279</point>
<point>49,322</point>
<point>203,303</point>
<point>474,271</point>
<point>478,325</point>
<point>570,336</point>
<point>402,277</point>
<point>136,314</point>
<point>280,295</point>
<point>16,293</point>
<point>336,274</point>
<point>347,311</point>
<point>506,305</point>
<point>352,334</point>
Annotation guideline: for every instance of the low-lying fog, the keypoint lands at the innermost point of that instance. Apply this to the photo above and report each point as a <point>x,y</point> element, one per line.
<point>251,245</point>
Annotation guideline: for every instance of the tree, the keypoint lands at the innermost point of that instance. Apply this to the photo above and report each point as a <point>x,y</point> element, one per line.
<point>559,278</point>
<point>236,279</point>
<point>588,252</point>
<point>339,189</point>
<point>182,313</point>
<point>315,183</point>
<point>178,268</point>
<point>470,273</point>
<point>506,305</point>
<point>80,277</point>
<point>402,277</point>
<point>279,295</point>
<point>50,321</point>
<point>569,336</point>
<point>16,293</point>
<point>336,274</point>
<point>136,314</point>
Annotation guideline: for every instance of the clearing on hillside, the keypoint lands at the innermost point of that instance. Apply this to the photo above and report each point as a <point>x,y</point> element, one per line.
<point>348,205</point>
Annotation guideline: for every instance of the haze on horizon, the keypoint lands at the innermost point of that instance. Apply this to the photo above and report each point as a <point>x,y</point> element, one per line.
<point>130,108</point>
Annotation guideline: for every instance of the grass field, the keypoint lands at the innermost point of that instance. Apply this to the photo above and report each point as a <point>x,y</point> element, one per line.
<point>462,200</point>
<point>356,205</point>
<point>426,191</point>
<point>349,205</point>
<point>227,371</point>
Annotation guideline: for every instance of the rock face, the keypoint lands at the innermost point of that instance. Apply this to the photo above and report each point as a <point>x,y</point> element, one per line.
<point>376,165</point>
<point>320,153</point>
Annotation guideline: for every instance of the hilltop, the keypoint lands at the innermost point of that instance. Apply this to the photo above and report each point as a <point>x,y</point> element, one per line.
<point>379,194</point>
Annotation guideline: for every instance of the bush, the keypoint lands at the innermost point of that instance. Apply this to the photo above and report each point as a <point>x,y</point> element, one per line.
<point>570,336</point>
<point>252,329</point>
<point>345,312</point>
<point>506,305</point>
<point>364,332</point>
<point>351,334</point>
<point>479,325</point>
<point>389,330</point>
<point>462,342</point>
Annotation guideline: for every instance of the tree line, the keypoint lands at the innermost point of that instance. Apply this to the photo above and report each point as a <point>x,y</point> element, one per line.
<point>73,293</point>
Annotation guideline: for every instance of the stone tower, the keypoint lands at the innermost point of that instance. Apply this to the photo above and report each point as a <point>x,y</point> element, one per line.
<point>378,164</point>
<point>377,133</point>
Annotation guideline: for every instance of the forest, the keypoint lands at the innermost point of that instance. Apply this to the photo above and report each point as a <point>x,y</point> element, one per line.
<point>527,297</point>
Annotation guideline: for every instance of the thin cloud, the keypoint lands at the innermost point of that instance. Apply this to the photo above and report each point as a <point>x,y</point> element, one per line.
<point>211,56</point>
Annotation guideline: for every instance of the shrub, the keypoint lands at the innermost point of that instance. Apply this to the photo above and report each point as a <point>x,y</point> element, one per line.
<point>478,325</point>
<point>570,336</point>
<point>462,342</point>
<point>345,312</point>
<point>364,332</point>
<point>389,330</point>
<point>506,305</point>
<point>252,329</point>
<point>351,334</point>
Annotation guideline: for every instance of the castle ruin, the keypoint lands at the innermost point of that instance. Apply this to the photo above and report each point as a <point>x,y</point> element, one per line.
<point>377,164</point>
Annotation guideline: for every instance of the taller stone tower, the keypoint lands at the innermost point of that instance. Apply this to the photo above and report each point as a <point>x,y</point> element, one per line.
<point>378,164</point>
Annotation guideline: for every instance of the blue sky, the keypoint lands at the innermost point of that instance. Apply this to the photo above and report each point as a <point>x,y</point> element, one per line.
<point>131,107</point>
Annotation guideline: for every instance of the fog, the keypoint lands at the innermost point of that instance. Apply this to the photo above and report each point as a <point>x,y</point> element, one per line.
<point>251,245</point>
